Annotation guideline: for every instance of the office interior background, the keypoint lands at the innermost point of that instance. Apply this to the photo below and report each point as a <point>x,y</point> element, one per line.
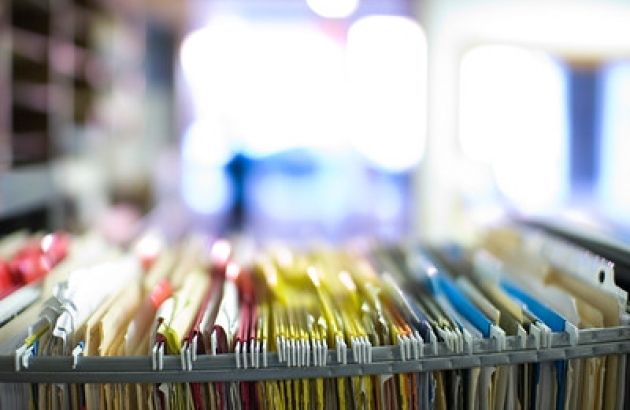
<point>307,120</point>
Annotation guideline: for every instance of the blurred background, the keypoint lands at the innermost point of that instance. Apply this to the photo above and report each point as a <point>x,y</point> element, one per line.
<point>308,120</point>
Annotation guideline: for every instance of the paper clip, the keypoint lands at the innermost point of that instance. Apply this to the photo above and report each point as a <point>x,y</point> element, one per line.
<point>157,356</point>
<point>19,355</point>
<point>468,342</point>
<point>342,351</point>
<point>295,352</point>
<point>407,344</point>
<point>237,354</point>
<point>254,346</point>
<point>244,353</point>
<point>545,335</point>
<point>27,357</point>
<point>573,332</point>
<point>184,355</point>
<point>195,345</point>
<point>535,332</point>
<point>433,342</point>
<point>264,353</point>
<point>64,329</point>
<point>188,352</point>
<point>357,349</point>
<point>307,347</point>
<point>498,335</point>
<point>76,352</point>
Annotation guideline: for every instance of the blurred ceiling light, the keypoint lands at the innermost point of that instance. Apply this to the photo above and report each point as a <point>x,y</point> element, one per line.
<point>277,86</point>
<point>387,64</point>
<point>333,8</point>
<point>295,97</point>
<point>307,91</point>
<point>213,62</point>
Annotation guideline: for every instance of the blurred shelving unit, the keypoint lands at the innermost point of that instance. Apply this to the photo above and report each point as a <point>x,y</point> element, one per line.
<point>56,71</point>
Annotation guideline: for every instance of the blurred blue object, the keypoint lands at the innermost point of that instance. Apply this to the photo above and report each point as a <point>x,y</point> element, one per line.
<point>308,195</point>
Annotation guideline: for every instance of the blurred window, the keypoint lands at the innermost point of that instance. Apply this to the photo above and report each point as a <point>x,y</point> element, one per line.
<point>513,118</point>
<point>615,143</point>
<point>338,105</point>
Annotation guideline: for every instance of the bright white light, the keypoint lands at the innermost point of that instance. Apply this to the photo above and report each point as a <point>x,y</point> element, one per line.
<point>387,72</point>
<point>284,257</point>
<point>333,8</point>
<point>276,86</point>
<point>294,97</point>
<point>346,279</point>
<point>272,276</point>
<point>206,143</point>
<point>583,30</point>
<point>232,271</point>
<point>509,94</point>
<point>220,251</point>
<point>47,242</point>
<point>314,275</point>
<point>512,117</point>
<point>214,61</point>
<point>305,92</point>
<point>150,244</point>
<point>206,190</point>
<point>615,151</point>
